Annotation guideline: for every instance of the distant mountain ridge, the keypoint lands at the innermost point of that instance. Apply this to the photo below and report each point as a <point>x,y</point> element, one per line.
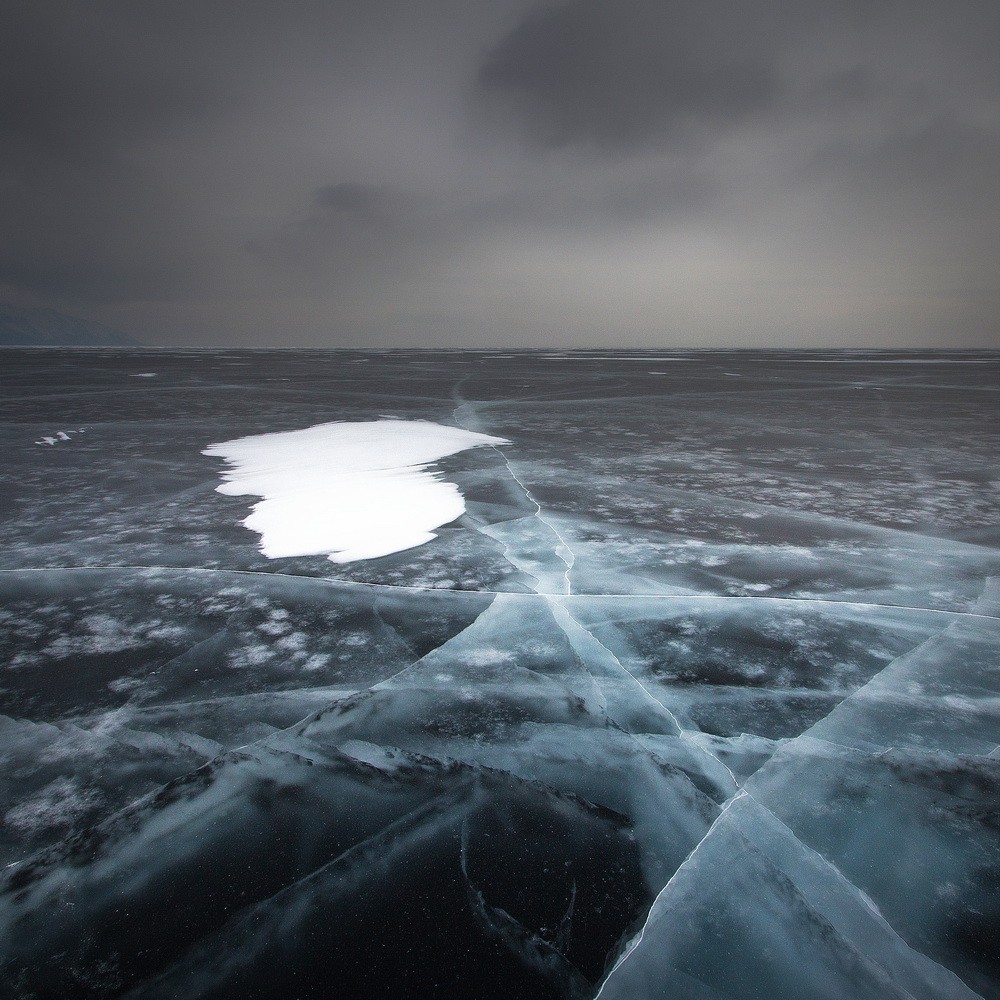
<point>26,327</point>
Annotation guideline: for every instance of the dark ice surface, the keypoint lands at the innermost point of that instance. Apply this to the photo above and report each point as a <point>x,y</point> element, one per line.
<point>700,698</point>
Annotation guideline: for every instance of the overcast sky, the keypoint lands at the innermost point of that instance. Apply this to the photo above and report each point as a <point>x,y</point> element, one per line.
<point>391,173</point>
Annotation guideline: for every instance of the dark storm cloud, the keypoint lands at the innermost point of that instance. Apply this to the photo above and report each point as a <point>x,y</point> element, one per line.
<point>647,170</point>
<point>625,73</point>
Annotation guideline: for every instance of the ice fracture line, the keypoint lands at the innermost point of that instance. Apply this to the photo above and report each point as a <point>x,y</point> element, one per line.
<point>561,550</point>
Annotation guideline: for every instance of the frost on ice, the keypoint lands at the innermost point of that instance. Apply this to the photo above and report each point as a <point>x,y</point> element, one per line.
<point>349,491</point>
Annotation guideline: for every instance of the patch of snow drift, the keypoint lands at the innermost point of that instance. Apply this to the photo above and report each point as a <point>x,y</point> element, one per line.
<point>347,490</point>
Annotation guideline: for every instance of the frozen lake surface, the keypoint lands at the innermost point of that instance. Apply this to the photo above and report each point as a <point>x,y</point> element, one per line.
<point>499,674</point>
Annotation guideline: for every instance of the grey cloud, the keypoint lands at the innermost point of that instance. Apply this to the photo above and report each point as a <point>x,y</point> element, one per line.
<point>365,204</point>
<point>940,164</point>
<point>99,75</point>
<point>89,281</point>
<point>354,232</point>
<point>352,198</point>
<point>134,138</point>
<point>100,103</point>
<point>351,222</point>
<point>117,129</point>
<point>669,193</point>
<point>623,74</point>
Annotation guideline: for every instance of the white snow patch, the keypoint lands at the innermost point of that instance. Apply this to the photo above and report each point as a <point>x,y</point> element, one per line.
<point>58,436</point>
<point>349,491</point>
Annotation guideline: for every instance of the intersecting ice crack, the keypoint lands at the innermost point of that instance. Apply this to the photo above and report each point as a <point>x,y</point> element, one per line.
<point>637,940</point>
<point>570,624</point>
<point>387,682</point>
<point>562,614</point>
<point>402,639</point>
<point>561,549</point>
<point>744,793</point>
<point>506,555</point>
<point>661,896</point>
<point>873,682</point>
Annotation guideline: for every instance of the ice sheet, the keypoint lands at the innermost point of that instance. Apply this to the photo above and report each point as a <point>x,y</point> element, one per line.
<point>740,588</point>
<point>752,905</point>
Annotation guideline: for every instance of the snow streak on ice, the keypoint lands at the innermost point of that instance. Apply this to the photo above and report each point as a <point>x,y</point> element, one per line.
<point>354,490</point>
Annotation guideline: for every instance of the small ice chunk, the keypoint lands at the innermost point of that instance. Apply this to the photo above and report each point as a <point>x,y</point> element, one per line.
<point>384,758</point>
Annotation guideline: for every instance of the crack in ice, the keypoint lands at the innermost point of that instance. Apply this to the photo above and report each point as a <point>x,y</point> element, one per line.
<point>155,569</point>
<point>555,603</point>
<point>562,550</point>
<point>637,940</point>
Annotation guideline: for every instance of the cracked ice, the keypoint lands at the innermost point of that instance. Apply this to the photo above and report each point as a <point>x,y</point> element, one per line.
<point>551,675</point>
